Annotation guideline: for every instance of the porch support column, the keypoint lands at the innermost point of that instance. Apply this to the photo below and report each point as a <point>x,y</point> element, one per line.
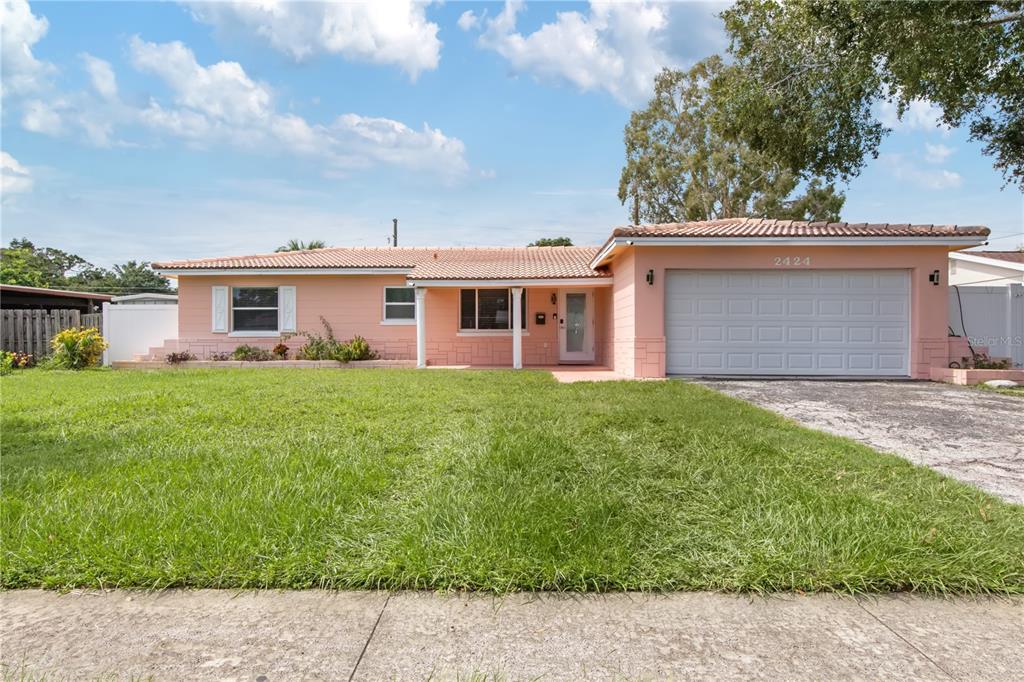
<point>517,327</point>
<point>421,327</point>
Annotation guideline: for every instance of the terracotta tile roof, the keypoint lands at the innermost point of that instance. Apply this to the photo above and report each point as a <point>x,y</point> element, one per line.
<point>1012,256</point>
<point>561,262</point>
<point>762,227</point>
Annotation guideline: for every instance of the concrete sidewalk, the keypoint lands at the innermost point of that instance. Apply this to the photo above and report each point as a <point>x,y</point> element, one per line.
<point>210,634</point>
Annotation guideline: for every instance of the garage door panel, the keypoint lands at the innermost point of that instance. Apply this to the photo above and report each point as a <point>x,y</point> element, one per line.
<point>740,306</point>
<point>861,334</point>
<point>740,360</point>
<point>799,323</point>
<point>800,334</point>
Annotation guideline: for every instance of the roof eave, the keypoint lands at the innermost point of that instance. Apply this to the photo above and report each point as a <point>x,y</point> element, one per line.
<point>948,240</point>
<point>189,271</point>
<point>596,281</point>
<point>992,262</point>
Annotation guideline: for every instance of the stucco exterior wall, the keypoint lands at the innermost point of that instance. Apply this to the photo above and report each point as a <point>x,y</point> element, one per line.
<point>928,302</point>
<point>623,305</point>
<point>354,305</point>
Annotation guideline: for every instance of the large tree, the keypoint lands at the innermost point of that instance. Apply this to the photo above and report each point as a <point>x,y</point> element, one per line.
<point>131,278</point>
<point>811,74</point>
<point>681,166</point>
<point>24,263</point>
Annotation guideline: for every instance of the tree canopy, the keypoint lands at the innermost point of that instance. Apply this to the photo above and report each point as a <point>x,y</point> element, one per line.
<point>552,241</point>
<point>810,74</point>
<point>680,164</point>
<point>25,264</point>
<point>298,245</point>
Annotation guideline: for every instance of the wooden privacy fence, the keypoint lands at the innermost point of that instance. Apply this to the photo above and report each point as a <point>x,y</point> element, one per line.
<point>30,331</point>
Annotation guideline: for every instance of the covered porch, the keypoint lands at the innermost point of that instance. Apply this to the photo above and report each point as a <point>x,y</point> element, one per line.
<point>512,323</point>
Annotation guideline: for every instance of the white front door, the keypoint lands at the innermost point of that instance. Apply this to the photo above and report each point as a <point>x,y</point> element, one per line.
<point>575,325</point>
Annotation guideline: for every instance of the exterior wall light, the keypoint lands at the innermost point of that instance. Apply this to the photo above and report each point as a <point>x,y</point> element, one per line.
<point>934,277</point>
<point>650,277</point>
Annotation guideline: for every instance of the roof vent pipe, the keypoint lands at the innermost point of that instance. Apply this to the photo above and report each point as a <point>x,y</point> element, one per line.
<point>394,232</point>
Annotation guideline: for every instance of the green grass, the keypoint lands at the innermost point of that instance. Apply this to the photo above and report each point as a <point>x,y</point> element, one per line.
<point>1017,391</point>
<point>491,480</point>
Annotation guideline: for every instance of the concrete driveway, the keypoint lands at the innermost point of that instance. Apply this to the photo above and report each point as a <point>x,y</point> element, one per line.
<point>972,435</point>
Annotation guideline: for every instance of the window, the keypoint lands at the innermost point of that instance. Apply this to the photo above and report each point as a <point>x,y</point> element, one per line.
<point>254,309</point>
<point>487,309</point>
<point>399,304</point>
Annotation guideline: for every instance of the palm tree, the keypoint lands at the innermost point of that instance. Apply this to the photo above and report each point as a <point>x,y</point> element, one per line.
<point>298,245</point>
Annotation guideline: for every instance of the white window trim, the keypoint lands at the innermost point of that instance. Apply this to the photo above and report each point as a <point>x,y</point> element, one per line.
<point>487,332</point>
<point>268,333</point>
<point>403,322</point>
<point>475,331</point>
<point>257,335</point>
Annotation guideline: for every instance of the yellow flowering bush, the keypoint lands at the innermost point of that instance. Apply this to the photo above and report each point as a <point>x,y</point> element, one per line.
<point>77,348</point>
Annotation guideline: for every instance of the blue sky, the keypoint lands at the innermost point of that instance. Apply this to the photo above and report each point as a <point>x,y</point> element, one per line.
<point>157,131</point>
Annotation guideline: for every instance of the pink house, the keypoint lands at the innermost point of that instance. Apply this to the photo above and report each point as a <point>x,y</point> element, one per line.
<point>720,297</point>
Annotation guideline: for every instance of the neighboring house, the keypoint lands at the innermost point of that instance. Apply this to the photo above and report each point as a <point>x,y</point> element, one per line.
<point>720,297</point>
<point>986,268</point>
<point>16,297</point>
<point>146,299</point>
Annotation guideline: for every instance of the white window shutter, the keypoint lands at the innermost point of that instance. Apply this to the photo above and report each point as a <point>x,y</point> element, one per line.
<point>286,309</point>
<point>220,309</point>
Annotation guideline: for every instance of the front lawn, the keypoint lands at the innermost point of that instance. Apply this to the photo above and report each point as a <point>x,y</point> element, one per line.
<point>491,480</point>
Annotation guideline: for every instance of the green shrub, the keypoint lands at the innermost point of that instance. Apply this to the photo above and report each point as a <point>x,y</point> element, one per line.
<point>327,347</point>
<point>12,360</point>
<point>180,357</point>
<point>318,347</point>
<point>251,354</point>
<point>983,361</point>
<point>77,348</point>
<point>357,349</point>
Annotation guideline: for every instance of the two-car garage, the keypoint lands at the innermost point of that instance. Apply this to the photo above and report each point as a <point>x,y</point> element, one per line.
<point>788,322</point>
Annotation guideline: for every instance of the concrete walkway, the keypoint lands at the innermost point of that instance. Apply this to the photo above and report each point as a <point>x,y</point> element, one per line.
<point>209,634</point>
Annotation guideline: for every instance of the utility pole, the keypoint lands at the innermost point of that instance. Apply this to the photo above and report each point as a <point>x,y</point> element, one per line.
<point>394,232</point>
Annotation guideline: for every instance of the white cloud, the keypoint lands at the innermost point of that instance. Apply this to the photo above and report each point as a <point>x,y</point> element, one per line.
<point>20,30</point>
<point>936,153</point>
<point>222,91</point>
<point>221,104</point>
<point>101,74</point>
<point>42,117</point>
<point>394,32</point>
<point>909,170</point>
<point>468,20</point>
<point>14,178</point>
<point>615,47</point>
<point>919,115</point>
<point>64,114</point>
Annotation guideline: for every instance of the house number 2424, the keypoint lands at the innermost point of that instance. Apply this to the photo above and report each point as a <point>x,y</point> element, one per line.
<point>792,261</point>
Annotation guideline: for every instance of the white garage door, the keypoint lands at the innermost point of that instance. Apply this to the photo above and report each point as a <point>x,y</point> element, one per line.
<point>807,322</point>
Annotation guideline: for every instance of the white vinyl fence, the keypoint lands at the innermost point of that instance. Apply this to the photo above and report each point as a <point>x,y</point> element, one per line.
<point>132,329</point>
<point>991,316</point>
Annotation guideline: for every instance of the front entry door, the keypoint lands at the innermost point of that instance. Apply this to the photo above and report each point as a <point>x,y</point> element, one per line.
<point>575,325</point>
